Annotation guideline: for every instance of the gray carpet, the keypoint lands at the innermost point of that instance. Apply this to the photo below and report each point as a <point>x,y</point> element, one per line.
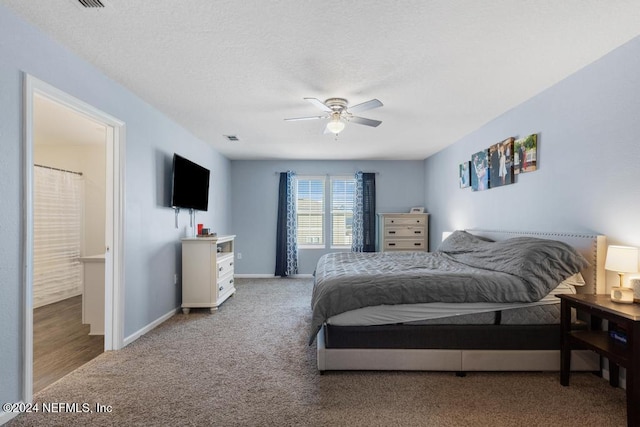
<point>249,365</point>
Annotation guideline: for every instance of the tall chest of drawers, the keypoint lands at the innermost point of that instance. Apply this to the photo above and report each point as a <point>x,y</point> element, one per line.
<point>403,232</point>
<point>207,272</point>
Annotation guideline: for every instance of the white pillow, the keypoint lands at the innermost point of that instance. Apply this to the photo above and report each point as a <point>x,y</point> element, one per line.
<point>575,280</point>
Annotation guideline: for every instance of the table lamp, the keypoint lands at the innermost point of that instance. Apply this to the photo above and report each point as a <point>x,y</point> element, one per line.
<point>622,259</point>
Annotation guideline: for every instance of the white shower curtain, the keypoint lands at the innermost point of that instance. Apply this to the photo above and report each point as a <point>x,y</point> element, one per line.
<point>57,233</point>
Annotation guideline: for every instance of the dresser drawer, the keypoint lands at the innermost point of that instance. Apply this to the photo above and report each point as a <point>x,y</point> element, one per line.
<point>224,266</point>
<point>225,285</point>
<point>408,231</point>
<point>405,220</point>
<point>404,245</point>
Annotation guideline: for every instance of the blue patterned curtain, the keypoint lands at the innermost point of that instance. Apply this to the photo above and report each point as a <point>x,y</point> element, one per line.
<point>356,236</point>
<point>364,213</point>
<point>286,239</point>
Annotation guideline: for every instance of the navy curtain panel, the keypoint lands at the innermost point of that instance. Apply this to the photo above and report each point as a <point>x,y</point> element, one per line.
<point>368,212</point>
<point>286,239</point>
<point>281,237</point>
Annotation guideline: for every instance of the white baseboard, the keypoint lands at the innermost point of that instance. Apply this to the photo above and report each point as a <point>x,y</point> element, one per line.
<point>270,276</point>
<point>140,332</point>
<point>254,276</point>
<point>56,298</point>
<point>5,417</point>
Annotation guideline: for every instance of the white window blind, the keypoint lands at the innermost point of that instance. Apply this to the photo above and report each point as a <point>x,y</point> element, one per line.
<point>310,211</point>
<point>342,192</point>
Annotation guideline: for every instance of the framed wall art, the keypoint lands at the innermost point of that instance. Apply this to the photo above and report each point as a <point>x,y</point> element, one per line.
<point>480,171</point>
<point>501,163</point>
<point>464,174</point>
<point>526,154</point>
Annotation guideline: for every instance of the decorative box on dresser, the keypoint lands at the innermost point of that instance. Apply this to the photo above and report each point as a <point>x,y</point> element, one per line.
<point>207,272</point>
<point>403,232</point>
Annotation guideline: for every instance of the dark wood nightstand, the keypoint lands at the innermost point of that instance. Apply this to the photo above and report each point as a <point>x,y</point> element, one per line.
<point>624,318</point>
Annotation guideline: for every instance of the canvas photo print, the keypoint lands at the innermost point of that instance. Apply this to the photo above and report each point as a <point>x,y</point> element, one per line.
<point>464,173</point>
<point>526,154</point>
<point>480,171</point>
<point>501,163</point>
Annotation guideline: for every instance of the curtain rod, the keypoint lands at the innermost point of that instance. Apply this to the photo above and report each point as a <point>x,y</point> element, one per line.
<point>57,169</point>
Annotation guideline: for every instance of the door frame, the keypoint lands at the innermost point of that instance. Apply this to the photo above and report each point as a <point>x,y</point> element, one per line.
<point>114,219</point>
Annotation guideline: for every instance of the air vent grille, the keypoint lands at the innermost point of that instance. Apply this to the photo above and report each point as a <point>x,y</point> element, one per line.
<point>232,138</point>
<point>91,3</point>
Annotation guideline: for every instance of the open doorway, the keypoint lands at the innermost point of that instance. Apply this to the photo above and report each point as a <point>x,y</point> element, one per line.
<point>69,205</point>
<point>79,148</point>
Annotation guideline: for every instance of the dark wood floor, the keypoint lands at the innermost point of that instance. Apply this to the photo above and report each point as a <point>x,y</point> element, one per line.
<point>61,343</point>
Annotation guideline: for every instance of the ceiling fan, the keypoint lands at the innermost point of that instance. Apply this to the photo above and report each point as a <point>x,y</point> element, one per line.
<point>339,113</point>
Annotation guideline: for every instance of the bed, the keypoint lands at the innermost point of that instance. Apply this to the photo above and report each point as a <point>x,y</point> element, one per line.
<point>481,334</point>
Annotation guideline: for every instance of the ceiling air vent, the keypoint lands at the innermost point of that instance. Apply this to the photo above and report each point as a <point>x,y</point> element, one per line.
<point>91,3</point>
<point>232,138</point>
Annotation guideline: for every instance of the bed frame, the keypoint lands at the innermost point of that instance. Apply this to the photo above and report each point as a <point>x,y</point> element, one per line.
<point>592,247</point>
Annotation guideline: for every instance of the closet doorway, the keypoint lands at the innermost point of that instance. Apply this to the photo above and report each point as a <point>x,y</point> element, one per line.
<point>73,234</point>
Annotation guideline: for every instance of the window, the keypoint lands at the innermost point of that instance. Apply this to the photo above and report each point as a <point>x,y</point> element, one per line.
<point>325,211</point>
<point>310,211</point>
<point>342,191</point>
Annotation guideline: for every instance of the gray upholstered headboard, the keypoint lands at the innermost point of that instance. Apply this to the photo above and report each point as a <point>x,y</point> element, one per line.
<point>592,246</point>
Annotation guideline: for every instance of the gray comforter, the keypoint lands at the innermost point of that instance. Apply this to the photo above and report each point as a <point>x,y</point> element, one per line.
<point>465,268</point>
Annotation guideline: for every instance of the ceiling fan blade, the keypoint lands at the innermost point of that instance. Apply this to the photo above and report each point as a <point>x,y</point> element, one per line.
<point>366,122</point>
<point>305,118</point>
<point>374,103</point>
<point>319,104</point>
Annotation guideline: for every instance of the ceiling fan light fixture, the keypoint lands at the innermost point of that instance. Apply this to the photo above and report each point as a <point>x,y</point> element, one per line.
<point>335,126</point>
<point>338,112</point>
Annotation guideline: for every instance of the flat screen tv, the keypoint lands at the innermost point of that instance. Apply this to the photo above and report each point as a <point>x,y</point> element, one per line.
<point>190,187</point>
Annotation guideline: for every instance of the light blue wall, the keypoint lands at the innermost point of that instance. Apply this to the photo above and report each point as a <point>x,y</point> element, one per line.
<point>152,247</point>
<point>399,186</point>
<point>11,275</point>
<point>589,153</point>
<point>589,157</point>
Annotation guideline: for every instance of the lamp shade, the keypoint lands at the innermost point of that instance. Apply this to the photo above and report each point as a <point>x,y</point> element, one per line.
<point>335,126</point>
<point>622,259</point>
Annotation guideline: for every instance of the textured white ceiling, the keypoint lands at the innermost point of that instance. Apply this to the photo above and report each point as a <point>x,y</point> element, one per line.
<point>442,68</point>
